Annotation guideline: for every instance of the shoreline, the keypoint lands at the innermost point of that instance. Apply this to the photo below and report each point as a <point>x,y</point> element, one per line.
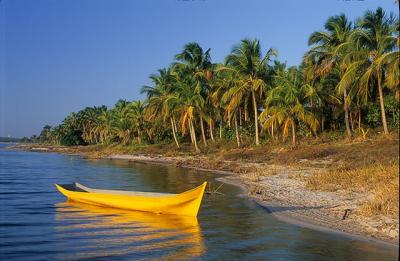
<point>270,206</point>
<point>273,209</point>
<point>279,201</point>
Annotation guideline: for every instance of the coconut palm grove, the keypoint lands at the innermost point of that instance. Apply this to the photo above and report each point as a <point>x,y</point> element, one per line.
<point>347,84</point>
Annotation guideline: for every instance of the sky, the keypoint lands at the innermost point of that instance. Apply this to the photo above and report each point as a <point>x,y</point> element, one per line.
<point>60,56</point>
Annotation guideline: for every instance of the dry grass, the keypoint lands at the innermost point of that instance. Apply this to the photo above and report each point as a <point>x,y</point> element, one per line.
<point>381,180</point>
<point>385,201</point>
<point>357,180</point>
<point>344,155</point>
<point>248,154</point>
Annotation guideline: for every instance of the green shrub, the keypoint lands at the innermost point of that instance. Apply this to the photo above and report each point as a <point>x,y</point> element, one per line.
<point>72,138</point>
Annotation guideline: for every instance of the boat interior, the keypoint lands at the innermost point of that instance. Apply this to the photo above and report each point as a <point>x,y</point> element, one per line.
<point>76,187</point>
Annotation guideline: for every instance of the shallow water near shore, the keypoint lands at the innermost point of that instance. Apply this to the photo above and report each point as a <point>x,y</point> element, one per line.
<point>36,222</point>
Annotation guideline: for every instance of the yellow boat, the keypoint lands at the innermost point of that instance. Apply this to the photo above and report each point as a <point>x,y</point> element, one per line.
<point>186,203</point>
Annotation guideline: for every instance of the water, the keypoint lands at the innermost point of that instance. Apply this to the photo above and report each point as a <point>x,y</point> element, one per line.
<point>37,224</point>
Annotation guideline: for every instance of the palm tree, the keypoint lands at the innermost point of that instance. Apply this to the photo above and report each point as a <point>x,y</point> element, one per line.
<point>285,104</point>
<point>219,85</point>
<point>189,104</point>
<point>135,114</point>
<point>247,60</point>
<point>195,59</point>
<point>233,97</point>
<point>393,65</point>
<point>45,134</point>
<point>56,134</point>
<point>162,98</point>
<point>121,122</point>
<point>329,48</point>
<point>393,71</point>
<point>89,119</point>
<point>376,38</point>
<point>194,68</point>
<point>320,92</point>
<point>105,126</point>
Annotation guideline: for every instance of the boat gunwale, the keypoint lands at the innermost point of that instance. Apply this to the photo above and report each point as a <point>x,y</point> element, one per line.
<point>122,193</point>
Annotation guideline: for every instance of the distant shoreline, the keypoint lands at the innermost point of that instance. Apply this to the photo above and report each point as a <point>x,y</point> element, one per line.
<point>278,193</point>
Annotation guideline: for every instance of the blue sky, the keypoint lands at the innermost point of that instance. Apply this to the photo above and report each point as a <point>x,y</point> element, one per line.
<point>59,56</point>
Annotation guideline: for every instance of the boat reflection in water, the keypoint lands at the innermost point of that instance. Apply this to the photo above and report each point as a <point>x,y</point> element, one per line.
<point>107,232</point>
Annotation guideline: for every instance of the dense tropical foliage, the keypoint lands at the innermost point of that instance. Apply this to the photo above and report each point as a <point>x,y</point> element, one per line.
<point>348,80</point>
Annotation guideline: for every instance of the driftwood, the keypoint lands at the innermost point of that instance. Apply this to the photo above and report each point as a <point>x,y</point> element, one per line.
<point>346,213</point>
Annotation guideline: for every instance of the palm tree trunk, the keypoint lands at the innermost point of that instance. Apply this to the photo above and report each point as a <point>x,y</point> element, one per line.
<point>294,134</point>
<point>278,133</point>
<point>202,131</point>
<point>351,121</point>
<point>237,131</point>
<point>174,124</point>
<point>240,116</point>
<point>193,132</point>
<point>173,133</point>
<point>255,116</point>
<point>272,131</point>
<point>220,129</point>
<point>246,114</point>
<point>210,124</point>
<point>359,118</point>
<point>383,114</point>
<point>190,132</point>
<point>346,114</point>
<point>139,136</point>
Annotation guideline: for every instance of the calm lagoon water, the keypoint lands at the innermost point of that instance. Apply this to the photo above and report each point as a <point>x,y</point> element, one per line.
<point>36,222</point>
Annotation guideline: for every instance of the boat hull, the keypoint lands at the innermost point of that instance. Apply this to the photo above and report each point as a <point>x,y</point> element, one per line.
<point>186,203</point>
